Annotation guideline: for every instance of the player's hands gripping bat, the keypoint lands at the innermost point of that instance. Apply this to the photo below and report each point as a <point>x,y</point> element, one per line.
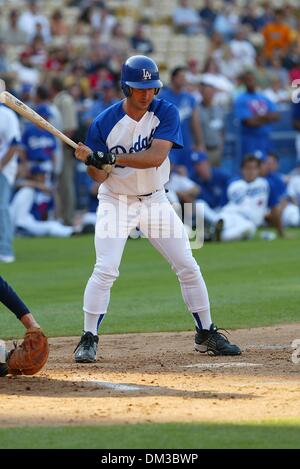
<point>25,111</point>
<point>98,159</point>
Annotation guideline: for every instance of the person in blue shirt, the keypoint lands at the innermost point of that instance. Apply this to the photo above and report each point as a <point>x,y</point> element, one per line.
<point>106,99</point>
<point>255,113</point>
<point>213,181</point>
<point>296,125</point>
<point>278,184</point>
<point>40,145</point>
<point>188,113</point>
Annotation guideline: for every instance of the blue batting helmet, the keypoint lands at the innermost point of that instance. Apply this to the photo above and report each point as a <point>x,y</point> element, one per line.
<point>139,72</point>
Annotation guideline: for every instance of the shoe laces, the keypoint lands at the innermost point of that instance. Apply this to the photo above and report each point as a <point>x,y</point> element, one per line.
<point>86,340</point>
<point>215,334</point>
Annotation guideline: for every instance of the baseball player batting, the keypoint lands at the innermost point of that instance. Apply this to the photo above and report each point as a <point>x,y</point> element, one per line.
<point>135,136</point>
<point>29,357</point>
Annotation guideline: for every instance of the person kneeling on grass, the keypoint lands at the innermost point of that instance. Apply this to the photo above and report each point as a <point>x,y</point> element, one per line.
<point>30,206</point>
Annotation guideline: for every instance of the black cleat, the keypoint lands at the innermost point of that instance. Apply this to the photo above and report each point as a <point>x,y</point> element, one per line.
<point>86,350</point>
<point>214,342</point>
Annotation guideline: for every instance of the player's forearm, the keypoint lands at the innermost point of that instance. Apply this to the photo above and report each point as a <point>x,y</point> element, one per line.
<point>29,321</point>
<point>8,156</point>
<point>97,175</point>
<point>257,121</point>
<point>142,159</point>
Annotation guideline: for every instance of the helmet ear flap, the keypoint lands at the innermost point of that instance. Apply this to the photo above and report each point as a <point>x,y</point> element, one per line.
<point>127,90</point>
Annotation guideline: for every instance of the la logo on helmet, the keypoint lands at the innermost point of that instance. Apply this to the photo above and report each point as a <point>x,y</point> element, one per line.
<point>146,74</point>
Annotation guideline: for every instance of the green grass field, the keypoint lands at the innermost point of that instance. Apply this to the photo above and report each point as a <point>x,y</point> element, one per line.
<point>266,435</point>
<point>250,284</point>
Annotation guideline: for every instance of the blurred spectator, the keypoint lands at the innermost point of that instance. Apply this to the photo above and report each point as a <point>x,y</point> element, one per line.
<point>193,73</point>
<point>77,76</point>
<point>296,124</point>
<point>119,42</point>
<point>139,42</point>
<point>181,188</point>
<point>186,19</point>
<point>100,75</point>
<point>226,22</point>
<point>249,201</point>
<point>31,19</point>
<point>56,60</point>
<point>12,32</point>
<point>277,35</point>
<point>188,113</point>
<point>260,71</point>
<point>267,15</point>
<point>242,49</point>
<point>107,98</point>
<point>208,15</point>
<point>24,70</point>
<point>212,120</point>
<point>37,52</point>
<point>294,73</point>
<point>250,18</point>
<point>42,97</point>
<point>229,65</point>
<point>290,214</point>
<point>276,69</point>
<point>83,22</point>
<point>39,145</point>
<point>278,93</point>
<point>10,137</point>
<point>102,20</point>
<point>212,68</point>
<point>65,190</point>
<point>4,64</point>
<point>30,208</point>
<point>293,193</point>
<point>88,221</point>
<point>213,184</point>
<point>58,26</point>
<point>255,113</point>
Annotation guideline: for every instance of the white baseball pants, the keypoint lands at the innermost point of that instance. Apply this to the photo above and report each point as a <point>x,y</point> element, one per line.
<point>154,215</point>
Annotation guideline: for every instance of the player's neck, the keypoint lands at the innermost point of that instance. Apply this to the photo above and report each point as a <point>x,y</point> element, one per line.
<point>133,112</point>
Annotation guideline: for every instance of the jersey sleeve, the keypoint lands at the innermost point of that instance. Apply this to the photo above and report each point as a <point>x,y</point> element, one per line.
<point>95,139</point>
<point>13,130</point>
<point>169,127</point>
<point>236,191</point>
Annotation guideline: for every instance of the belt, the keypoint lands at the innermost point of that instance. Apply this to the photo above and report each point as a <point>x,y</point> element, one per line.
<point>147,195</point>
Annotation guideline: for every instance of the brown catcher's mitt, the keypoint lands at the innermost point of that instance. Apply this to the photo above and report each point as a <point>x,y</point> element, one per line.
<point>29,357</point>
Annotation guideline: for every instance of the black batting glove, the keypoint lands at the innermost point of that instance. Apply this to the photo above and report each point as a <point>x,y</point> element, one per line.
<point>98,159</point>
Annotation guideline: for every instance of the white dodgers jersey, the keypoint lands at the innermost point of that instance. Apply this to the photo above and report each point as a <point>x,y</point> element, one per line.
<point>250,199</point>
<point>114,131</point>
<point>10,134</point>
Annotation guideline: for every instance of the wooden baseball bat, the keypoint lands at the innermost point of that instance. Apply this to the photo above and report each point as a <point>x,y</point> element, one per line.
<point>25,111</point>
